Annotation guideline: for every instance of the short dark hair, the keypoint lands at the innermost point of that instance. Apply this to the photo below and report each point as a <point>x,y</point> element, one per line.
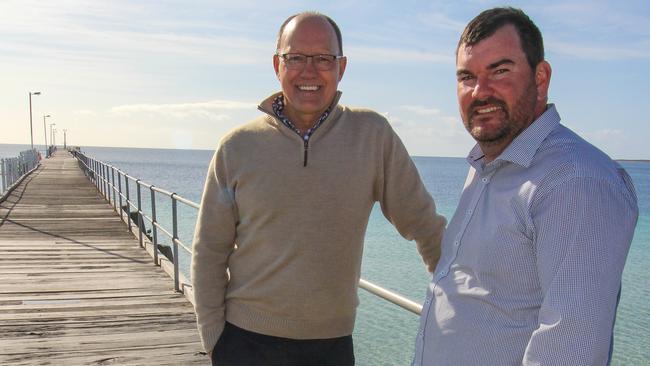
<point>339,38</point>
<point>491,20</point>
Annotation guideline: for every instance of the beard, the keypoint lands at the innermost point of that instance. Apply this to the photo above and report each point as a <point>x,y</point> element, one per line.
<point>514,119</point>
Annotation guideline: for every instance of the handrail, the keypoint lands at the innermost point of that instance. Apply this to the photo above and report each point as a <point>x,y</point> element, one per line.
<point>14,170</point>
<point>103,176</point>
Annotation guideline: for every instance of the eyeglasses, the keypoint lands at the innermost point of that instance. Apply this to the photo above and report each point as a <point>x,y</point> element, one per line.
<point>298,61</point>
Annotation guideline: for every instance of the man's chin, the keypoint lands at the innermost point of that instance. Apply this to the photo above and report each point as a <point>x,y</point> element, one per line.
<point>488,137</point>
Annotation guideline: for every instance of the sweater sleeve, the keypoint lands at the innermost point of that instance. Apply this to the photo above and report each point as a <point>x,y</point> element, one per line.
<point>214,240</point>
<point>406,203</point>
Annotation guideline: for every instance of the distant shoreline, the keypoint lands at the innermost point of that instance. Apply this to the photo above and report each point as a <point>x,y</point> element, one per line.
<point>26,146</point>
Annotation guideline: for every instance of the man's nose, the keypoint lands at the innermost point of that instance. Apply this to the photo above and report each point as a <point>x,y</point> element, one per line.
<point>482,89</point>
<point>310,66</point>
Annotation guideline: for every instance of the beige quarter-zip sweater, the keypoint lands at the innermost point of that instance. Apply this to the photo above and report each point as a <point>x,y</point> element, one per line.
<point>277,247</point>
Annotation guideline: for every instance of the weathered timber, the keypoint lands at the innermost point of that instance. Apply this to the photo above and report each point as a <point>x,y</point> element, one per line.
<point>76,288</point>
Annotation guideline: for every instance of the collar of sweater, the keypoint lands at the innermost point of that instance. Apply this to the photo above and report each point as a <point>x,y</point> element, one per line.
<point>266,106</point>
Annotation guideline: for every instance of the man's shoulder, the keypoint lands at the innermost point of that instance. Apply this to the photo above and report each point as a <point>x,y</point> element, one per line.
<point>364,117</point>
<point>250,129</point>
<point>566,151</point>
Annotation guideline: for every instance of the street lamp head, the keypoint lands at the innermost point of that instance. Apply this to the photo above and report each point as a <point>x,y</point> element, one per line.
<point>47,116</point>
<point>35,93</point>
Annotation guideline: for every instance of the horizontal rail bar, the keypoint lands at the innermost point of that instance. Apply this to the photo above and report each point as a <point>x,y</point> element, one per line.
<point>372,288</point>
<point>187,202</point>
<point>163,191</point>
<point>393,297</point>
<point>162,228</point>
<point>177,241</point>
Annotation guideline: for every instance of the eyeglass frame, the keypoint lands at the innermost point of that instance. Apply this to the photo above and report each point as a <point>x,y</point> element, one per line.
<point>283,56</point>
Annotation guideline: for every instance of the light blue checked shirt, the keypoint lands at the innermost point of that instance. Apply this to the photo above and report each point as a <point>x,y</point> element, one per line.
<point>531,262</point>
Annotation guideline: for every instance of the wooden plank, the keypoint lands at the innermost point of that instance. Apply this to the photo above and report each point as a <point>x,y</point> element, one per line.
<point>76,288</point>
<point>154,355</point>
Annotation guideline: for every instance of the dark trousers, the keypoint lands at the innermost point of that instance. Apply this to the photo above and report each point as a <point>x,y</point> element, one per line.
<point>240,347</point>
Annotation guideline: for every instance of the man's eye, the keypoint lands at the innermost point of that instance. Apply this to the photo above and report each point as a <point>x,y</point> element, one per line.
<point>295,58</point>
<point>501,71</point>
<point>465,77</point>
<point>323,59</point>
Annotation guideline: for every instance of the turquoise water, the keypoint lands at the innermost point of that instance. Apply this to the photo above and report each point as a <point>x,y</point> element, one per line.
<point>384,333</point>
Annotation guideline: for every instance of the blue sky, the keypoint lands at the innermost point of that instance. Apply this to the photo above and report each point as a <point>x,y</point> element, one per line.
<point>175,74</point>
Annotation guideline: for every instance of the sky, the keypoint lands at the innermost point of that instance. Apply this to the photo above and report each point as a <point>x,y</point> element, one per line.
<point>181,74</point>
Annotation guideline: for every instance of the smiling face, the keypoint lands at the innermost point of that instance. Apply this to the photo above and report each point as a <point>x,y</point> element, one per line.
<point>499,95</point>
<point>308,92</point>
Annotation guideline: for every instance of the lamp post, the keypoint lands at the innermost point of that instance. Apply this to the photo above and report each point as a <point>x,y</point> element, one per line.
<point>65,145</point>
<point>51,133</point>
<point>47,151</point>
<point>31,133</point>
<point>54,137</point>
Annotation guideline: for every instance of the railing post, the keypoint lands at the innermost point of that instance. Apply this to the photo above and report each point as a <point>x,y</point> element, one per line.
<point>106,193</point>
<point>4,173</point>
<point>16,170</point>
<point>14,164</point>
<point>98,179</point>
<point>128,202</point>
<point>119,186</point>
<point>10,175</point>
<point>92,169</point>
<point>154,230</point>
<point>98,175</point>
<point>174,242</point>
<point>113,187</point>
<point>109,186</point>
<point>140,218</point>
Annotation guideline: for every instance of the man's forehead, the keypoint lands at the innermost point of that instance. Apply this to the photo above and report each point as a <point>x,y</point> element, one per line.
<point>308,22</point>
<point>308,27</point>
<point>504,43</point>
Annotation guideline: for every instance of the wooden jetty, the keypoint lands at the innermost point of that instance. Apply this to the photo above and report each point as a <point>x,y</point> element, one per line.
<point>76,288</point>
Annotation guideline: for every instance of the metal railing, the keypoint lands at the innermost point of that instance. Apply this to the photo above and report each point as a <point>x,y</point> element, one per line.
<point>13,170</point>
<point>116,189</point>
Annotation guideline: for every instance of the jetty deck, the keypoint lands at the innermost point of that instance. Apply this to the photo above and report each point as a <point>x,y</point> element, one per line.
<point>76,288</point>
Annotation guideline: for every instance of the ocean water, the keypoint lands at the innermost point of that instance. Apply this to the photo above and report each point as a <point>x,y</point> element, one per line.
<point>384,333</point>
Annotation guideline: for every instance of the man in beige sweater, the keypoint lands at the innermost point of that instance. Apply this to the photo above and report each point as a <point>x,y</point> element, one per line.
<point>279,236</point>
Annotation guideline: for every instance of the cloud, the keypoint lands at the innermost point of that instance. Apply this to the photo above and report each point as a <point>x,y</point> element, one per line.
<point>89,33</point>
<point>441,21</point>
<point>420,110</point>
<point>612,18</point>
<point>437,135</point>
<point>603,53</point>
<point>213,110</point>
<point>84,112</point>
<point>426,121</point>
<point>380,55</point>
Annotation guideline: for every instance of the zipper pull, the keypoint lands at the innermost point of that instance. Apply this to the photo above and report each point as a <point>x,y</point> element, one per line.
<point>306,140</point>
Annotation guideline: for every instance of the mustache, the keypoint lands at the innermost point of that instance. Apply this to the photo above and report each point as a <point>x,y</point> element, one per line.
<point>471,110</point>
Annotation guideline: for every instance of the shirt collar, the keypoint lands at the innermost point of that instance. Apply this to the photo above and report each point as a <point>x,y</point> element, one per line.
<point>266,105</point>
<point>522,149</point>
<point>278,109</point>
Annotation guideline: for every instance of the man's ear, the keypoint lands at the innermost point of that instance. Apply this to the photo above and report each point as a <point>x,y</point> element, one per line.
<point>543,80</point>
<point>343,62</point>
<point>276,65</point>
